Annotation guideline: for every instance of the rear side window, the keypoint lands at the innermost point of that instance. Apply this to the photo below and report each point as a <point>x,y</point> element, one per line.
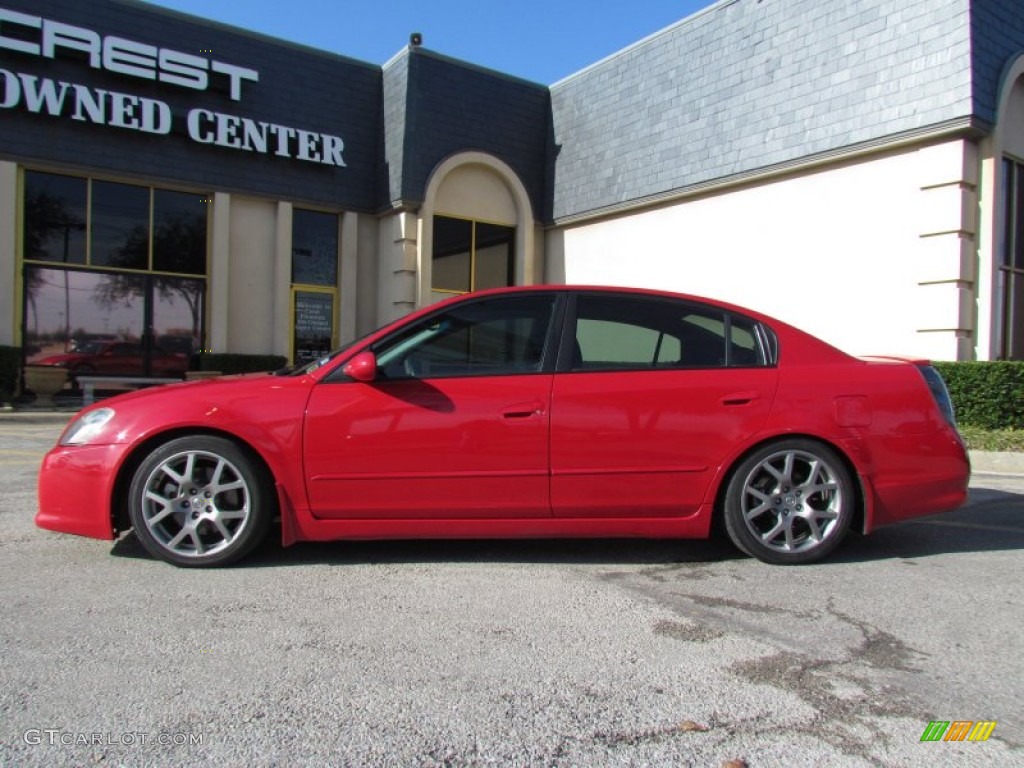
<point>628,333</point>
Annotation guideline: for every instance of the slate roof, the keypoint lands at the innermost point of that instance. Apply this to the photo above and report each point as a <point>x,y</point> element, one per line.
<point>752,84</point>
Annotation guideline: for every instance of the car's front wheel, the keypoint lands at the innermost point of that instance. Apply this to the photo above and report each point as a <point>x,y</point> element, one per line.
<point>200,501</point>
<point>789,502</point>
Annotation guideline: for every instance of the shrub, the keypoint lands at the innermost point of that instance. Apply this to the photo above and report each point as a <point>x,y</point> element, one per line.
<point>989,395</point>
<point>236,363</point>
<point>10,367</point>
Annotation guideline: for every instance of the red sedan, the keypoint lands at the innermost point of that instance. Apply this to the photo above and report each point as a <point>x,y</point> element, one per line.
<point>524,412</point>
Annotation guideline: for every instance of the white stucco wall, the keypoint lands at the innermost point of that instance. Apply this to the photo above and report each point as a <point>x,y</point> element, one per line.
<point>837,251</point>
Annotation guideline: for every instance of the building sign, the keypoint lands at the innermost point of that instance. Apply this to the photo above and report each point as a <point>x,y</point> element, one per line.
<point>35,36</point>
<point>314,325</point>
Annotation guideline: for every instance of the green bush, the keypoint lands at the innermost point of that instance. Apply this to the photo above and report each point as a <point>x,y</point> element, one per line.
<point>235,363</point>
<point>10,367</point>
<point>989,395</point>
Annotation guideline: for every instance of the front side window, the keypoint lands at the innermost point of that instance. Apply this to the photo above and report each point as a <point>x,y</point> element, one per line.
<point>627,333</point>
<point>486,338</point>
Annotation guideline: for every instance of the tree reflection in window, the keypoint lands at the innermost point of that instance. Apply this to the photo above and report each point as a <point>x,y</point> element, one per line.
<point>54,218</point>
<point>145,283</point>
<point>119,235</point>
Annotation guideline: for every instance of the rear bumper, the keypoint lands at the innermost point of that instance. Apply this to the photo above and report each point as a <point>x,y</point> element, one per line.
<point>76,489</point>
<point>933,481</point>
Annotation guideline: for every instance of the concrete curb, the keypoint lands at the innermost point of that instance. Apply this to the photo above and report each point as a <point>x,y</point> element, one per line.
<point>982,462</point>
<point>32,416</point>
<point>997,463</point>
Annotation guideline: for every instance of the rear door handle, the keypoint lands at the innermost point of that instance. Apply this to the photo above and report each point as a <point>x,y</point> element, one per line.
<point>740,398</point>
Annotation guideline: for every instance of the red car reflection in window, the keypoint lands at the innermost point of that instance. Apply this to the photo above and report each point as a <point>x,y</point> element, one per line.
<point>117,357</point>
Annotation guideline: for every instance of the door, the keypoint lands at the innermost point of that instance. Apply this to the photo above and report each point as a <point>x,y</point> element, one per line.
<point>650,397</point>
<point>454,426</point>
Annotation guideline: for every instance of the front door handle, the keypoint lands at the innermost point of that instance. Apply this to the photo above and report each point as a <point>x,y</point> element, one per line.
<point>522,410</point>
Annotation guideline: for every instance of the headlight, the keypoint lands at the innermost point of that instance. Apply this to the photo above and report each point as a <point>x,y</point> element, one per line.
<point>86,428</point>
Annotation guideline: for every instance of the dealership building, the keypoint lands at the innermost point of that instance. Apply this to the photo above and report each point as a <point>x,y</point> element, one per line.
<point>853,167</point>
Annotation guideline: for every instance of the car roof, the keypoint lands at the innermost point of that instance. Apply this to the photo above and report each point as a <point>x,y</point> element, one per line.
<point>800,346</point>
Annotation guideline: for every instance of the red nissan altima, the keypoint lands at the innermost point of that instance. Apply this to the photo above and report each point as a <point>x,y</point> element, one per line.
<point>524,412</point>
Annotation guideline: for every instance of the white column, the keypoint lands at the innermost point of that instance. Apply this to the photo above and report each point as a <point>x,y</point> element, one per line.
<point>219,291</point>
<point>283,280</point>
<point>348,277</point>
<point>945,266</point>
<point>398,258</point>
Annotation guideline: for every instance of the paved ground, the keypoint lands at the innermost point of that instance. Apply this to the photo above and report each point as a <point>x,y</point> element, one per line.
<point>551,653</point>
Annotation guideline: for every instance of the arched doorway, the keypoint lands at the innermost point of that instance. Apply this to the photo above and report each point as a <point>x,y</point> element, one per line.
<point>1008,288</point>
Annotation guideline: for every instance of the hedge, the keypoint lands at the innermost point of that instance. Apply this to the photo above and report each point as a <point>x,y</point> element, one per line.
<point>10,368</point>
<point>989,395</point>
<point>235,363</point>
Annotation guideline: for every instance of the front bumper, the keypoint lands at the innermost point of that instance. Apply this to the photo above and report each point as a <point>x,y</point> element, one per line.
<point>76,489</point>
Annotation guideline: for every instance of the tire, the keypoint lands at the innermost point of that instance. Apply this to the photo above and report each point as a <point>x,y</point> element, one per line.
<point>200,501</point>
<point>790,502</point>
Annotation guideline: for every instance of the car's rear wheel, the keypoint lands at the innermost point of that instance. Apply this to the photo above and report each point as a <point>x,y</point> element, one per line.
<point>200,501</point>
<point>789,502</point>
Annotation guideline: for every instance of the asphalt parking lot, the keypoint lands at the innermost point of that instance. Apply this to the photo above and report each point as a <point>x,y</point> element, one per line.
<point>532,653</point>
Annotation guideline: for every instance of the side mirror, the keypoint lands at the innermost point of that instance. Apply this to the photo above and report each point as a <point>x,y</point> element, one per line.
<point>362,367</point>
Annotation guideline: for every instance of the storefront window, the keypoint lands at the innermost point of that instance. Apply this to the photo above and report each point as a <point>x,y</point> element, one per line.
<point>314,248</point>
<point>471,256</point>
<point>95,322</point>
<point>55,215</point>
<point>119,226</point>
<point>125,318</point>
<point>1011,271</point>
<point>314,284</point>
<point>179,232</point>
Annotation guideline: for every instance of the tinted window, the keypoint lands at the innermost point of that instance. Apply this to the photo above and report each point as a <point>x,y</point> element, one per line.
<point>179,232</point>
<point>471,255</point>
<point>496,337</point>
<point>453,250</point>
<point>314,248</point>
<point>625,333</point>
<point>120,225</point>
<point>55,217</point>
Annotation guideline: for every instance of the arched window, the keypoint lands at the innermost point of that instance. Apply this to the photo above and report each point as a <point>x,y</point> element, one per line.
<point>471,255</point>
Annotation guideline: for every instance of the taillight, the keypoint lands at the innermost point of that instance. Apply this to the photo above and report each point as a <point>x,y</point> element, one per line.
<point>939,391</point>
